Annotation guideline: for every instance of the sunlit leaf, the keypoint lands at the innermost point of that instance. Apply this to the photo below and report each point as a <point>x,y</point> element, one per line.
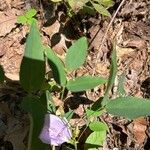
<point>92,113</point>
<point>98,126</point>
<point>113,72</point>
<point>84,83</point>
<point>95,140</point>
<point>69,114</point>
<point>102,10</point>
<point>21,19</point>
<point>57,67</point>
<point>106,3</point>
<point>129,107</point>
<point>30,20</point>
<point>76,54</point>
<point>32,71</point>
<point>30,13</point>
<point>77,4</point>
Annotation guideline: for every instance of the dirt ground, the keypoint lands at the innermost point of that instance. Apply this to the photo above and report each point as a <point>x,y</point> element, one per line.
<point>130,29</point>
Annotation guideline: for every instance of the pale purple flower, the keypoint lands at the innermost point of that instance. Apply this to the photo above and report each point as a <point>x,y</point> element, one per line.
<point>55,130</point>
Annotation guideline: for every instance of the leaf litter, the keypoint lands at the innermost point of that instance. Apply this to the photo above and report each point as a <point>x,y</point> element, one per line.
<point>133,42</point>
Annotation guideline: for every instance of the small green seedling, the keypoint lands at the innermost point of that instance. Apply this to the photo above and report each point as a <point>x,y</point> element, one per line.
<point>27,18</point>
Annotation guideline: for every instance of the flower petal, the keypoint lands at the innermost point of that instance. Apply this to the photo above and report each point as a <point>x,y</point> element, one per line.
<point>55,130</point>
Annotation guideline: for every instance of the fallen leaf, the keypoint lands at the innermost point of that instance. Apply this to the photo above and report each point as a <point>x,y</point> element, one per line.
<point>7,22</point>
<point>80,110</point>
<point>57,101</point>
<point>139,129</point>
<point>16,133</point>
<point>13,77</point>
<point>123,51</point>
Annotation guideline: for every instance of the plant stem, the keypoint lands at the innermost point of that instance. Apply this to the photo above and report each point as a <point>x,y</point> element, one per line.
<point>62,94</point>
<point>53,147</point>
<point>75,145</point>
<point>105,36</point>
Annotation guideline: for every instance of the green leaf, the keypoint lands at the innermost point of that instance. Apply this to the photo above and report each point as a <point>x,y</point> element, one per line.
<point>57,67</point>
<point>77,4</point>
<point>106,3</point>
<point>97,104</point>
<point>22,19</point>
<point>88,10</point>
<point>95,140</point>
<point>84,83</point>
<point>1,74</point>
<point>50,104</point>
<point>92,113</point>
<point>121,91</point>
<point>30,20</point>
<point>43,100</point>
<point>102,10</point>
<point>76,54</point>
<point>69,114</point>
<point>32,69</point>
<point>129,107</point>
<point>113,72</point>
<point>98,126</point>
<point>30,13</point>
<point>37,113</point>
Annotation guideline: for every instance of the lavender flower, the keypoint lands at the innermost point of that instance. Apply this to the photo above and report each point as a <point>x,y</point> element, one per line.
<point>55,130</point>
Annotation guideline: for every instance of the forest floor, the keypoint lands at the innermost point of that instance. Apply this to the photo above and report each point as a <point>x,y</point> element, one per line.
<point>131,31</point>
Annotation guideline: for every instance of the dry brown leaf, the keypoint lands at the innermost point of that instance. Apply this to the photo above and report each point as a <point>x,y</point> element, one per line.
<point>57,101</point>
<point>77,121</point>
<point>4,109</point>
<point>80,110</point>
<point>7,22</point>
<point>102,68</point>
<point>17,138</point>
<point>139,128</point>
<point>13,77</point>
<point>123,51</point>
<point>137,43</point>
<point>16,133</point>
<point>57,40</point>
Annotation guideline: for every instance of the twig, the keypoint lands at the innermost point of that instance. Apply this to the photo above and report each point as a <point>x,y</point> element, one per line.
<point>105,35</point>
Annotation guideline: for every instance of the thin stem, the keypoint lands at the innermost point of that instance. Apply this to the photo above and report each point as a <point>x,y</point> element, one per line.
<point>82,132</point>
<point>62,94</point>
<point>53,147</point>
<point>105,35</point>
<point>75,145</point>
<point>87,123</point>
